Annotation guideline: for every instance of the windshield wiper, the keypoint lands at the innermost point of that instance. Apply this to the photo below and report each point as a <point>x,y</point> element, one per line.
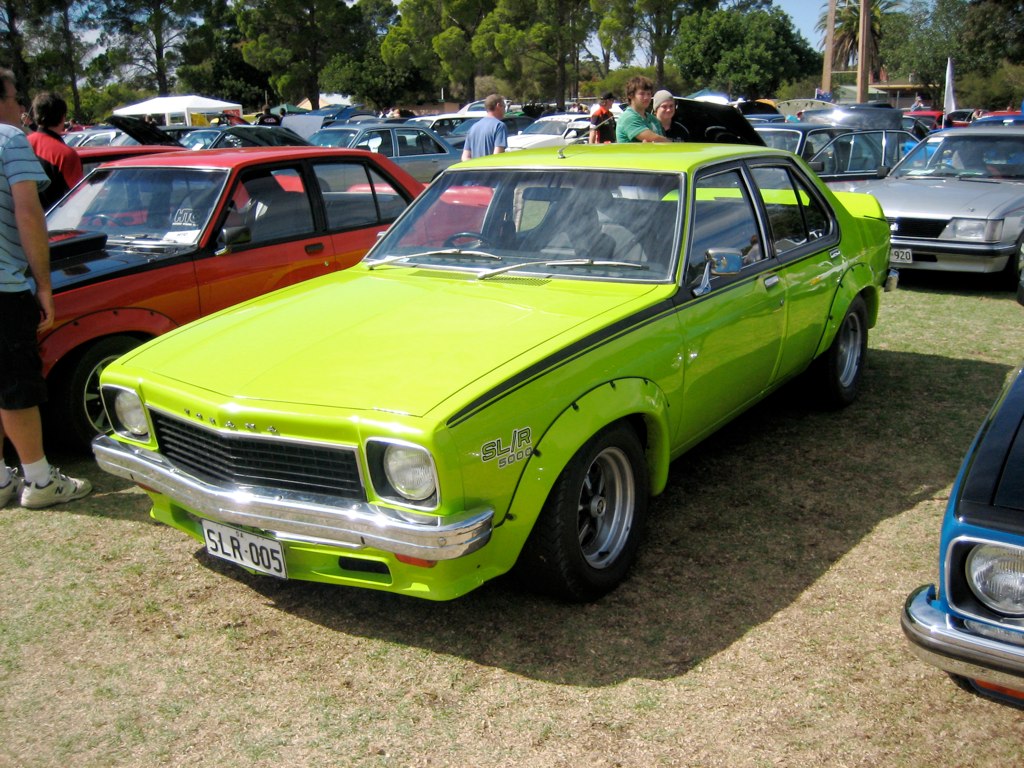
<point>561,263</point>
<point>429,254</point>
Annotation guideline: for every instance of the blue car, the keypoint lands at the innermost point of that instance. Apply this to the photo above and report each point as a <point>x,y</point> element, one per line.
<point>971,624</point>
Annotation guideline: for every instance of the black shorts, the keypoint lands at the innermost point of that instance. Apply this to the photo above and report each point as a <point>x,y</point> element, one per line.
<point>21,369</point>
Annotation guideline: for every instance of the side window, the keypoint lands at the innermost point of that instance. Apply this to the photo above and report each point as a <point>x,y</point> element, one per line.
<point>413,142</point>
<point>272,204</point>
<point>356,196</point>
<point>377,141</point>
<point>866,152</point>
<point>795,215</point>
<point>723,220</point>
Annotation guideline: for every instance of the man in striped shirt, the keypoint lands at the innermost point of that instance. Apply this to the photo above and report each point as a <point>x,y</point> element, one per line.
<point>24,249</point>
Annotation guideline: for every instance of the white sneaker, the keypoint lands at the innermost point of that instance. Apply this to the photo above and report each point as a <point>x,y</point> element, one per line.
<point>60,488</point>
<point>12,489</point>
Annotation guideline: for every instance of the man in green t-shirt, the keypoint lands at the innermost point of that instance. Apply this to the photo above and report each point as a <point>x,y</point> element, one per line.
<point>636,123</point>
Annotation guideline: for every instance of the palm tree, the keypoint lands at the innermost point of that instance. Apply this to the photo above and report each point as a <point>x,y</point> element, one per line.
<point>847,32</point>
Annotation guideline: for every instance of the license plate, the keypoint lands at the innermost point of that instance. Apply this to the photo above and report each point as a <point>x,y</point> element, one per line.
<point>901,256</point>
<point>246,549</point>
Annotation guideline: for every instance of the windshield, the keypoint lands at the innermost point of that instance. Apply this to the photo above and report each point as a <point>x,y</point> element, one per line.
<point>334,137</point>
<point>200,139</point>
<point>965,154</point>
<point>780,139</point>
<point>590,224</point>
<point>167,205</point>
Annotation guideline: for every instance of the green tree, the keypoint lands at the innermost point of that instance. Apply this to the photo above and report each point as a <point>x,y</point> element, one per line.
<point>917,41</point>
<point>14,14</point>
<point>293,40</point>
<point>536,43</point>
<point>212,63</point>
<point>433,38</point>
<point>146,36</point>
<point>363,73</point>
<point>60,51</point>
<point>995,29</point>
<point>742,53</point>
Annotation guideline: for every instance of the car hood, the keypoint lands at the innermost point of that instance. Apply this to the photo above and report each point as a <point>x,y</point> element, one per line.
<point>78,258</point>
<point>943,198</point>
<point>392,338</point>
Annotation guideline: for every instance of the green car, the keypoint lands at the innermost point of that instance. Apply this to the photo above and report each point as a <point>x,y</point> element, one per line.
<point>504,379</point>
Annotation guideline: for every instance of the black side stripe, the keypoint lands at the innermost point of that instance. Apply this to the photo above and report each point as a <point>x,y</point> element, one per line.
<point>563,356</point>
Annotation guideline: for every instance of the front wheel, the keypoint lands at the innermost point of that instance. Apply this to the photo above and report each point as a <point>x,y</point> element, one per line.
<point>1011,274</point>
<point>78,414</point>
<point>588,532</point>
<point>840,369</point>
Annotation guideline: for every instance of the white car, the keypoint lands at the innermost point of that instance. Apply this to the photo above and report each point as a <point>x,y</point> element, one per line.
<point>552,131</point>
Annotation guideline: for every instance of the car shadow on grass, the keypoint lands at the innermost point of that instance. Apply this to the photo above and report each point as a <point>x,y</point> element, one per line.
<point>750,519</point>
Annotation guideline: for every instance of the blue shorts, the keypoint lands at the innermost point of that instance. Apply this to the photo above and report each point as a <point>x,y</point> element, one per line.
<point>21,368</point>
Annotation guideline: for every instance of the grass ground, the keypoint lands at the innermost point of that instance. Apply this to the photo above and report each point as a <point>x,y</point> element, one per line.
<point>759,628</point>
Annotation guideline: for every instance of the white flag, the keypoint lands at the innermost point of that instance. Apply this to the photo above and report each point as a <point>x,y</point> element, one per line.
<point>949,101</point>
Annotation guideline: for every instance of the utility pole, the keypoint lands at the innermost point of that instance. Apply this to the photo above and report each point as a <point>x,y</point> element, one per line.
<point>862,51</point>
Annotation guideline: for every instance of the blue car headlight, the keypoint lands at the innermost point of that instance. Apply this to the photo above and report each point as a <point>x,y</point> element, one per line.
<point>995,574</point>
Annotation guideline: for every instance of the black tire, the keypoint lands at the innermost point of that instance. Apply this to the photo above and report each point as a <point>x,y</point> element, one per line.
<point>838,372</point>
<point>1009,278</point>
<point>76,410</point>
<point>586,537</point>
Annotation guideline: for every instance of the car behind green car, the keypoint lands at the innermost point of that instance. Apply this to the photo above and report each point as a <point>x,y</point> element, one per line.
<point>505,378</point>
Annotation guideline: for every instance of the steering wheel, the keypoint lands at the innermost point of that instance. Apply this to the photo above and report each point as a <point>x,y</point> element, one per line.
<point>98,219</point>
<point>480,239</point>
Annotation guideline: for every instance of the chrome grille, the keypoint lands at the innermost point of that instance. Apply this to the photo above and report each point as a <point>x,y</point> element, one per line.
<point>229,459</point>
<point>907,227</point>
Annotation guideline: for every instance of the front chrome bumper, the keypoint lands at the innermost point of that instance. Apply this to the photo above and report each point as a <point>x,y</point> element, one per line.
<point>936,640</point>
<point>301,517</point>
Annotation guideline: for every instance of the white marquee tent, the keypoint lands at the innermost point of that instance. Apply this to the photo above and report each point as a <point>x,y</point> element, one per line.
<point>182,110</point>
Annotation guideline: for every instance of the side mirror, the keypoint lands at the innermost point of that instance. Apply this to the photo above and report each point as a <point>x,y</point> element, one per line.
<point>718,262</point>
<point>817,165</point>
<point>882,171</point>
<point>232,236</point>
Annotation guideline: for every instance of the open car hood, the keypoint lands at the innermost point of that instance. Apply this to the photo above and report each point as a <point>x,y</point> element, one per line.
<point>715,123</point>
<point>141,131</point>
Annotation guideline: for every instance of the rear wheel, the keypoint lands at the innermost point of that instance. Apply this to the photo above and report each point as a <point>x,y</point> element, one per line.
<point>587,534</point>
<point>839,370</point>
<point>75,405</point>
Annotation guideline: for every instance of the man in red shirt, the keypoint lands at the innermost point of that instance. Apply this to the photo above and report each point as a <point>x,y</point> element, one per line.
<point>602,121</point>
<point>62,164</point>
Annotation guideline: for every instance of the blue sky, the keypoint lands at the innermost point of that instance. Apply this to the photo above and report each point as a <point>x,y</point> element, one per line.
<point>804,14</point>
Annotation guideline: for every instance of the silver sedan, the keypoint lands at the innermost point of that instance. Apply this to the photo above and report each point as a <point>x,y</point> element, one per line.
<point>419,151</point>
<point>956,203</point>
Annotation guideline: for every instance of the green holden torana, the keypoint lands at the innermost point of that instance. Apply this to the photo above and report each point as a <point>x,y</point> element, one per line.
<point>505,378</point>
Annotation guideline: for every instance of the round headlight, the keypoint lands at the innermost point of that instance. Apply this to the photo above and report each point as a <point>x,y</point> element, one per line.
<point>410,471</point>
<point>131,415</point>
<point>996,576</point>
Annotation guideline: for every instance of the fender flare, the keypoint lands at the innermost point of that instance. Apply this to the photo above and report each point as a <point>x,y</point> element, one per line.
<point>131,321</point>
<point>856,281</point>
<point>628,398</point>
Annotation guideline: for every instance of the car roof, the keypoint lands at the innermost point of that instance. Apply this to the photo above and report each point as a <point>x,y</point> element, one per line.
<point>372,124</point>
<point>674,157</point>
<point>228,158</point>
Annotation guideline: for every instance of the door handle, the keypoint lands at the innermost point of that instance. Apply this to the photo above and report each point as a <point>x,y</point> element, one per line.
<point>771,281</point>
<point>314,247</point>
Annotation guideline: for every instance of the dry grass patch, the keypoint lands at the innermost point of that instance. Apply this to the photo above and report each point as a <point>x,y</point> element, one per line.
<point>760,627</point>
